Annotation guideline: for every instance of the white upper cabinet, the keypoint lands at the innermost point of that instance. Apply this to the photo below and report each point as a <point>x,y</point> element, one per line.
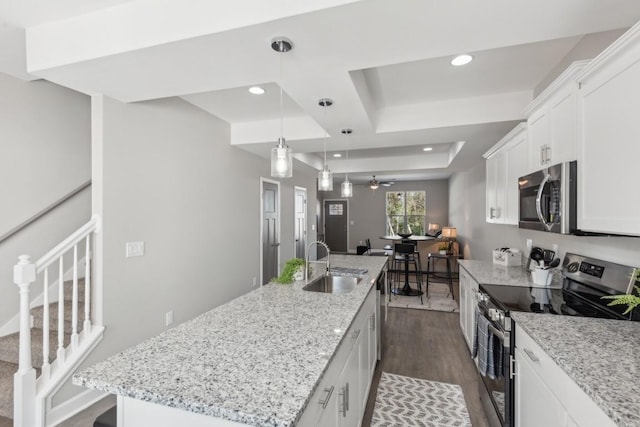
<point>552,120</point>
<point>609,106</point>
<point>506,162</point>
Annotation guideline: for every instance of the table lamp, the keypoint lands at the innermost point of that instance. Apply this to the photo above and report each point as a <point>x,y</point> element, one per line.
<point>450,234</point>
<point>433,228</point>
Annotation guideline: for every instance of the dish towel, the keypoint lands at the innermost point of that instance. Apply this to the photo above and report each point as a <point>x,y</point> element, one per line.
<point>483,347</point>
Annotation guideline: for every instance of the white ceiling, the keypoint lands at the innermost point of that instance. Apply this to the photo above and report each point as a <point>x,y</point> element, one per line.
<point>384,63</point>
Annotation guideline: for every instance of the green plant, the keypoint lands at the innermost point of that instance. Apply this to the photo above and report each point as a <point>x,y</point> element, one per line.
<point>289,270</point>
<point>443,246</point>
<point>630,300</point>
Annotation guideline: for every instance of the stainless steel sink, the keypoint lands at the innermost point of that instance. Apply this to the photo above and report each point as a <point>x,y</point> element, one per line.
<point>332,284</point>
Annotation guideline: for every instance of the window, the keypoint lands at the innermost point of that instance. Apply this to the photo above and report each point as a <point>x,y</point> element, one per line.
<point>406,211</point>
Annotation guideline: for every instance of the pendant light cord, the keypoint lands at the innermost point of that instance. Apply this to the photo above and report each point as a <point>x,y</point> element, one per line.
<point>325,135</point>
<point>281,98</point>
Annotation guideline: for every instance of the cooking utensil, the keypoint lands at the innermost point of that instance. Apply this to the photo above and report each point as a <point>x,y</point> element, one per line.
<point>553,264</point>
<point>537,255</point>
<point>548,256</point>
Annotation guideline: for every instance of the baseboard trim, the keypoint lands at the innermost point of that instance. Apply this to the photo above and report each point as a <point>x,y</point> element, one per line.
<point>71,407</point>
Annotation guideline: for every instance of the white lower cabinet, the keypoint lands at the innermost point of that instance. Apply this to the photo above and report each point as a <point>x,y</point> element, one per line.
<point>341,397</point>
<point>544,393</point>
<point>468,302</point>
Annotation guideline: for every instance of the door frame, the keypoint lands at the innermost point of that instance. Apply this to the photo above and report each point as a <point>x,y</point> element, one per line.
<point>297,188</point>
<point>324,218</point>
<point>264,180</point>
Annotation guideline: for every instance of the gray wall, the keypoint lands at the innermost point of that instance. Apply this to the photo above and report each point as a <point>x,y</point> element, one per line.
<point>45,146</point>
<point>478,238</point>
<point>171,178</point>
<point>367,208</point>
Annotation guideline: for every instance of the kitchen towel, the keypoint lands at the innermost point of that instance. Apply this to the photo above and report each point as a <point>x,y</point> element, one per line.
<point>484,347</point>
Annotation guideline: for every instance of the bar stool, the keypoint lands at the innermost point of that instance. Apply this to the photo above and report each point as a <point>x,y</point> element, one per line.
<point>431,259</point>
<point>403,255</point>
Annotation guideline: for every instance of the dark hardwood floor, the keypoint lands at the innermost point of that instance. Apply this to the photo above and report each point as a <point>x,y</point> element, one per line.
<point>428,345</point>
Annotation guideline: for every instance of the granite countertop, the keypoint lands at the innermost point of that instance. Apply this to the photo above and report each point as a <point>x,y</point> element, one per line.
<point>255,360</point>
<point>609,374</point>
<point>488,273</point>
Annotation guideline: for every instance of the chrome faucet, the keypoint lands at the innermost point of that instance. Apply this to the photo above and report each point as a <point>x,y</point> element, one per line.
<point>327,262</point>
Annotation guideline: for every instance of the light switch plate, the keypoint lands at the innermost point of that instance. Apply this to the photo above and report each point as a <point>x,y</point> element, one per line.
<point>134,249</point>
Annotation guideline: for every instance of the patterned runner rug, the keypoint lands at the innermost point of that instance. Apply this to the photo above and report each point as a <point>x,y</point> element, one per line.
<point>439,299</point>
<point>404,402</point>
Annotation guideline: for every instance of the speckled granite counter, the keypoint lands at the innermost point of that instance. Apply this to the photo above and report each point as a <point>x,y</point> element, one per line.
<point>256,359</point>
<point>609,373</point>
<point>490,274</point>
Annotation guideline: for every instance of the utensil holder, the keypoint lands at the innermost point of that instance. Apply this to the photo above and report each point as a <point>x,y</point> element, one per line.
<point>541,276</point>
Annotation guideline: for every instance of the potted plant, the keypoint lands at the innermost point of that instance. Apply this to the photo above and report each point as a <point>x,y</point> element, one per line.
<point>293,270</point>
<point>442,248</point>
<point>630,300</point>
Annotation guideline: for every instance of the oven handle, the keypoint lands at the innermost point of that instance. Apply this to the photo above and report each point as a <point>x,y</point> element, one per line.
<point>498,333</point>
<point>546,179</point>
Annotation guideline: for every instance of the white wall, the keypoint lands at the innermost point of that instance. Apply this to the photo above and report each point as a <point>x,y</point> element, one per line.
<point>171,179</point>
<point>478,238</point>
<point>367,208</point>
<point>45,152</point>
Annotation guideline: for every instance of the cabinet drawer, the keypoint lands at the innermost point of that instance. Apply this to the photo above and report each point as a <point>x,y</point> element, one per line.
<point>580,407</point>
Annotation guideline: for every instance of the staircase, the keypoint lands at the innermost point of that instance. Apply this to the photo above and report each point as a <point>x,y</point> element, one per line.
<point>10,344</point>
<point>55,337</point>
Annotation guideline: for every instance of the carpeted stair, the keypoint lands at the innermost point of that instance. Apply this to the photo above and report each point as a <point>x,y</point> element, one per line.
<point>9,344</point>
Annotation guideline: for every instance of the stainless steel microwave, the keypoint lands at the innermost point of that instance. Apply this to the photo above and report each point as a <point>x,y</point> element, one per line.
<point>548,199</point>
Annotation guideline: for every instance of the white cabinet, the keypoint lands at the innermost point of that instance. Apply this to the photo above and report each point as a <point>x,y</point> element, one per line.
<point>552,120</point>
<point>349,404</point>
<point>468,302</point>
<point>609,101</point>
<point>544,393</point>
<point>506,162</point>
<point>536,405</point>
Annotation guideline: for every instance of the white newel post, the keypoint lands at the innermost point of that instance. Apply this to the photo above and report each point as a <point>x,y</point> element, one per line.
<point>24,381</point>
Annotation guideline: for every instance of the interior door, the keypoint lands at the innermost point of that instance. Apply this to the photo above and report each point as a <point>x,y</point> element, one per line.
<point>336,225</point>
<point>300,231</point>
<point>270,231</point>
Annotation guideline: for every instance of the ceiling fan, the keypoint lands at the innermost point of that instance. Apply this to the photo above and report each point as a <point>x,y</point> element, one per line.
<point>374,183</point>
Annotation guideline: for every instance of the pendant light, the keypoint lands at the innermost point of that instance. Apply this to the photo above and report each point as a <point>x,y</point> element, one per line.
<point>346,189</point>
<point>281,155</point>
<point>325,177</point>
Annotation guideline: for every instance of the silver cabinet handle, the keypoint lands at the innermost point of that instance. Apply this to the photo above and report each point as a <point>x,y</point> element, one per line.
<point>345,395</point>
<point>372,319</point>
<point>542,155</point>
<point>355,334</point>
<point>531,355</point>
<point>512,367</point>
<point>548,153</point>
<point>325,402</point>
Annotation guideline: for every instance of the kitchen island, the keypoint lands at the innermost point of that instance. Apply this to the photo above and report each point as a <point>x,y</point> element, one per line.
<point>255,360</point>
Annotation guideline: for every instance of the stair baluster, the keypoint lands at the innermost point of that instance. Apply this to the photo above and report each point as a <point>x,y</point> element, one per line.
<point>74,300</point>
<point>46,367</point>
<point>60,354</point>
<point>87,286</point>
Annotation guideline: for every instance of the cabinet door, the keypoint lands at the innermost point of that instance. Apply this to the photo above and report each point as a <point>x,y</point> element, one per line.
<point>491,188</point>
<point>535,405</point>
<point>471,311</point>
<point>609,152</point>
<point>373,346</point>
<point>348,392</point>
<point>563,117</point>
<point>539,137</point>
<point>464,290</point>
<point>516,166</point>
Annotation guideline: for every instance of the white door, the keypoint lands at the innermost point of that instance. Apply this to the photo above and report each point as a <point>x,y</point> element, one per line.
<point>300,232</point>
<point>270,230</point>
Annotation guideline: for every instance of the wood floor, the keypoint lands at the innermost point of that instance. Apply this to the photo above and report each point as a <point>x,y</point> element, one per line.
<point>428,345</point>
<point>417,343</point>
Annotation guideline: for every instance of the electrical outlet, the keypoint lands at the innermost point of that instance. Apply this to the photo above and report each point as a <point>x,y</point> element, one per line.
<point>168,318</point>
<point>134,249</point>
<point>255,281</point>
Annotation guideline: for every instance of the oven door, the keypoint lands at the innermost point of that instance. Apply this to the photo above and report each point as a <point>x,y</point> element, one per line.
<point>500,389</point>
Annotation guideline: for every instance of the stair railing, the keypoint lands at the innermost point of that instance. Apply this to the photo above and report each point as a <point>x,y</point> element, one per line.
<point>29,392</point>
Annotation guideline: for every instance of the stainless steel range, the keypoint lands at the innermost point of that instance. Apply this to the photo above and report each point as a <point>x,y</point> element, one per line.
<point>585,281</point>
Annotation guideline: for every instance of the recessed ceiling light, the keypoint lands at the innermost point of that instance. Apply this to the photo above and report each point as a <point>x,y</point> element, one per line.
<point>427,149</point>
<point>461,60</point>
<point>256,90</point>
<point>337,155</point>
